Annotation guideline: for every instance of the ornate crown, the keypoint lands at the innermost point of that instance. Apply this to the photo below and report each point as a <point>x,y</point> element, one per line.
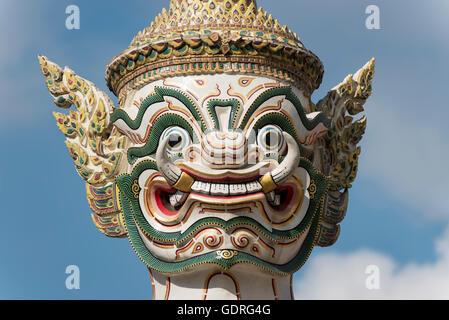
<point>214,36</point>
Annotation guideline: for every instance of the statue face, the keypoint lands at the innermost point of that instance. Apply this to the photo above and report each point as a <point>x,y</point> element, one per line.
<point>220,172</point>
<point>211,161</point>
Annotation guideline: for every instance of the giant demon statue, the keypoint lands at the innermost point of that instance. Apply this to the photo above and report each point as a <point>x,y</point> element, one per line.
<point>216,165</point>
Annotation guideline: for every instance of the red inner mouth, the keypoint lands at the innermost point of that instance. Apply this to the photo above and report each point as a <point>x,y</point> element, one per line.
<point>162,194</point>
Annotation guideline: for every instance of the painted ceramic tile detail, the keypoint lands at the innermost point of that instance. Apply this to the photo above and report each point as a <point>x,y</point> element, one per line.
<point>216,164</point>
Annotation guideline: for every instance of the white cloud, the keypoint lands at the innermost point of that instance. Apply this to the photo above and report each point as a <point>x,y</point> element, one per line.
<point>342,276</point>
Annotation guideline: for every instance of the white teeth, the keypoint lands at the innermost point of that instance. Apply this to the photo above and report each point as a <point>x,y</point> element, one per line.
<point>177,198</point>
<point>253,187</point>
<point>224,189</point>
<point>219,189</point>
<point>236,189</point>
<point>277,200</point>
<point>201,187</point>
<point>196,186</point>
<point>271,196</point>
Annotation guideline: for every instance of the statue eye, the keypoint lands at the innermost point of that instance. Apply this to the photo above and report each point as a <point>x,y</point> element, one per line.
<point>270,138</point>
<point>178,139</point>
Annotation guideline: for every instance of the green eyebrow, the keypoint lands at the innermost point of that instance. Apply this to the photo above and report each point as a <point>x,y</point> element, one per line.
<point>159,96</point>
<point>290,96</point>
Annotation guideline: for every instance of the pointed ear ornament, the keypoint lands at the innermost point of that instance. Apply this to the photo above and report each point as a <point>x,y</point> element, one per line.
<point>340,146</point>
<point>94,144</point>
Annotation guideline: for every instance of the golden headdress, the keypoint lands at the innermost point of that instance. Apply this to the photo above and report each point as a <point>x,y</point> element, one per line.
<point>214,36</point>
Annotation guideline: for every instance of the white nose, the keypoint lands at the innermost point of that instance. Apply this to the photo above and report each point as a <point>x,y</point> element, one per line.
<point>224,149</point>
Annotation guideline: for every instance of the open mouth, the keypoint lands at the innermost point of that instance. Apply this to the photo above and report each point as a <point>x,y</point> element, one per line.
<point>170,201</point>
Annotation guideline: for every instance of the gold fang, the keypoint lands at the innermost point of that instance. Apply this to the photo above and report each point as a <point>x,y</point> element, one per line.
<point>184,183</point>
<point>267,183</point>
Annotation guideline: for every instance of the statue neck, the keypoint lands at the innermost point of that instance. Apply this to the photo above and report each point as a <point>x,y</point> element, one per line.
<point>239,283</point>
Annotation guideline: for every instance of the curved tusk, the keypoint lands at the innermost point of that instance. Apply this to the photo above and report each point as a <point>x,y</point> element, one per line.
<point>174,176</point>
<point>271,180</point>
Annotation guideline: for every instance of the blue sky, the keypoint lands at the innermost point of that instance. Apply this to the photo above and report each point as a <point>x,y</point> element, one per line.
<point>399,211</point>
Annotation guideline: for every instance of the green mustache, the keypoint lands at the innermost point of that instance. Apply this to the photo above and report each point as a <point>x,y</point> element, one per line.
<point>212,257</point>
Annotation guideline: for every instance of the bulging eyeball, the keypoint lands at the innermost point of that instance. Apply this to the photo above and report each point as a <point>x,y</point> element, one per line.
<point>179,139</point>
<point>270,139</point>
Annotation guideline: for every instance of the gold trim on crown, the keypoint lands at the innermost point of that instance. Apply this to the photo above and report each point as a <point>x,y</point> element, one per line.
<point>214,36</point>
